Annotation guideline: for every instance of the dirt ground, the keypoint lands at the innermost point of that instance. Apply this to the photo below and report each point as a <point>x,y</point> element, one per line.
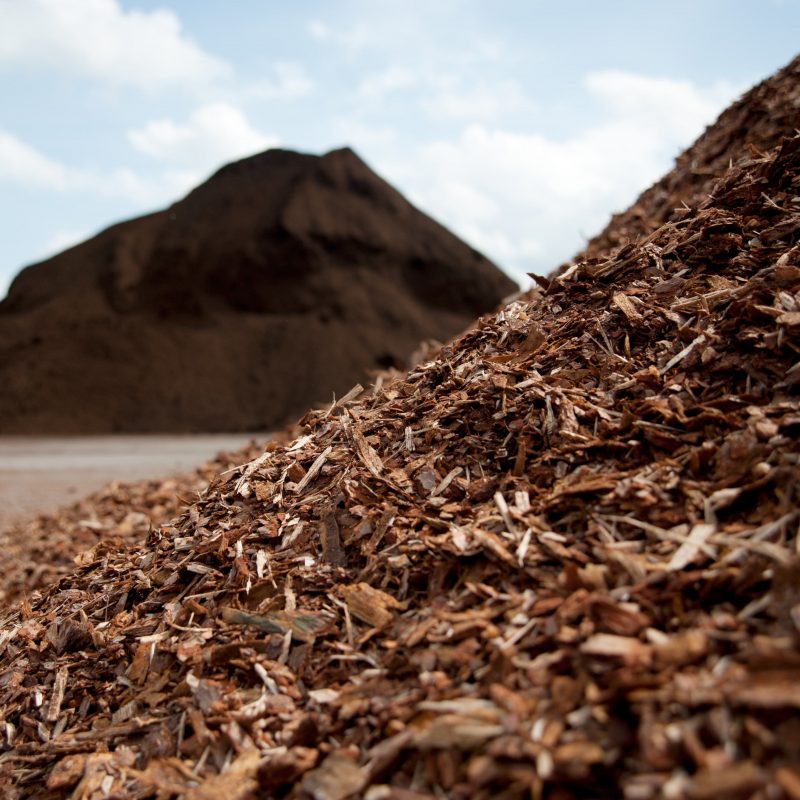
<point>40,474</point>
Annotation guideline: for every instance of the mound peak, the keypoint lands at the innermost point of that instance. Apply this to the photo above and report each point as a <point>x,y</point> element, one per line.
<point>757,121</point>
<point>271,285</point>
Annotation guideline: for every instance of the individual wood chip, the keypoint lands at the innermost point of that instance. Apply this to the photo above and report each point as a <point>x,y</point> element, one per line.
<point>380,529</point>
<point>368,455</point>
<point>608,645</point>
<point>304,625</point>
<point>690,549</point>
<point>456,731</point>
<point>534,340</point>
<point>57,697</point>
<point>336,778</point>
<point>676,359</point>
<point>351,395</point>
<point>67,772</point>
<point>790,318</point>
<point>493,544</point>
<point>626,306</point>
<point>370,605</point>
<point>446,481</point>
<point>140,665</point>
<point>243,483</point>
<point>473,707</point>
<point>617,618</point>
<point>736,780</point>
<point>332,550</point>
<point>502,507</point>
<point>681,648</point>
<point>267,705</point>
<point>769,689</point>
<point>789,780</point>
<point>238,782</point>
<point>580,752</point>
<point>264,490</point>
<point>324,696</point>
<point>313,470</point>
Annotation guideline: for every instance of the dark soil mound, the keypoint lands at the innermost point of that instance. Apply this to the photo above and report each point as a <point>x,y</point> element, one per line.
<point>558,560</point>
<point>272,285</point>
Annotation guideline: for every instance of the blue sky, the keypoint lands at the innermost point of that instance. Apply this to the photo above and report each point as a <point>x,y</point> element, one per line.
<point>520,125</point>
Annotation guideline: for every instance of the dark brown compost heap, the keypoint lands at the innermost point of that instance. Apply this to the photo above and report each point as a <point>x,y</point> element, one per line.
<point>758,121</point>
<point>277,282</point>
<point>560,559</point>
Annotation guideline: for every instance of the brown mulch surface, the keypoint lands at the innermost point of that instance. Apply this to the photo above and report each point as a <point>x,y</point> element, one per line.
<point>560,559</point>
<point>281,280</point>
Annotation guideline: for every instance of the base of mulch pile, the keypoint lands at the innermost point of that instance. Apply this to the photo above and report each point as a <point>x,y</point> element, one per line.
<point>38,551</point>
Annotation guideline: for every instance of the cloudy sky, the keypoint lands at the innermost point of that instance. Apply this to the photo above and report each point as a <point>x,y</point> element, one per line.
<point>520,124</point>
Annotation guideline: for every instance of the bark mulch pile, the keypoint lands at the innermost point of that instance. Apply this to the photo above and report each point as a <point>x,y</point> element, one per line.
<point>560,559</point>
<point>282,279</point>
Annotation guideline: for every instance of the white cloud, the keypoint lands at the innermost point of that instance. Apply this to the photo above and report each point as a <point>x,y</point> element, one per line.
<point>528,200</point>
<point>289,82</point>
<point>146,190</point>
<point>98,38</point>
<point>377,85</point>
<point>678,106</point>
<point>450,99</point>
<point>187,151</point>
<point>22,164</point>
<point>444,96</point>
<point>318,30</point>
<point>213,134</point>
<point>353,39</point>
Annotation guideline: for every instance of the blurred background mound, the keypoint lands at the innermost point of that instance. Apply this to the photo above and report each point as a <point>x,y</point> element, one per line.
<point>282,279</point>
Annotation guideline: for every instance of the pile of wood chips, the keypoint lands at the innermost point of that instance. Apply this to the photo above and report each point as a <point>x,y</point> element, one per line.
<point>560,559</point>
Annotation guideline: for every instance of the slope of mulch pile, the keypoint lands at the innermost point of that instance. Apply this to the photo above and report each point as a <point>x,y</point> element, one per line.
<point>38,552</point>
<point>560,559</point>
<point>282,279</point>
<point>758,121</point>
